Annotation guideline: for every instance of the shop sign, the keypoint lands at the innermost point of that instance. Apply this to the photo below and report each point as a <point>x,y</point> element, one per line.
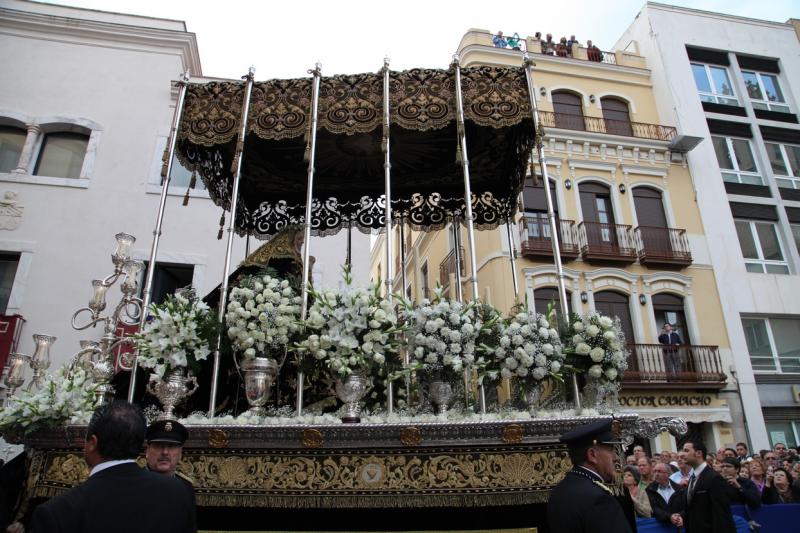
<point>667,400</point>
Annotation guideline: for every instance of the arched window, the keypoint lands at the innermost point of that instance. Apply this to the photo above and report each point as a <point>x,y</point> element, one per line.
<point>11,142</point>
<point>62,154</point>
<point>668,308</point>
<point>568,109</point>
<point>598,213</point>
<point>615,304</point>
<point>616,116</point>
<point>544,295</point>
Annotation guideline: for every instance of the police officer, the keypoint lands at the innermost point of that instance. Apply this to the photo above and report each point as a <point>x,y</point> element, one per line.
<point>582,502</point>
<point>165,440</point>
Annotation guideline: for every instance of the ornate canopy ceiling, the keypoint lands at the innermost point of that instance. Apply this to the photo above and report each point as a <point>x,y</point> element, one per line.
<point>427,179</point>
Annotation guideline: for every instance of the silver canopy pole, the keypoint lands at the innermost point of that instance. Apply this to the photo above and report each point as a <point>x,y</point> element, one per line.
<point>237,173</point>
<point>462,139</point>
<point>511,255</point>
<point>457,258</point>
<point>387,177</point>
<point>538,130</point>
<point>166,174</point>
<point>312,148</point>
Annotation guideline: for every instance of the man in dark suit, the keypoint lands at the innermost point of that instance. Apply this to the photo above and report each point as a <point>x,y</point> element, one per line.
<point>672,354</point>
<point>118,496</point>
<point>667,498</point>
<point>741,491</point>
<point>582,502</point>
<point>708,509</point>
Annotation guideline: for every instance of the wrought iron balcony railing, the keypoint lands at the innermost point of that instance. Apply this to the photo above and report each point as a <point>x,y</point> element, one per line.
<point>606,242</point>
<point>609,126</point>
<point>662,246</point>
<point>675,366</point>
<point>536,241</point>
<point>448,266</point>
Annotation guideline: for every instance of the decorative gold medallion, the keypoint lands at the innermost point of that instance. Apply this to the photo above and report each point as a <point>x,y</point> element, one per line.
<point>512,434</point>
<point>217,438</point>
<point>312,438</point>
<point>410,436</point>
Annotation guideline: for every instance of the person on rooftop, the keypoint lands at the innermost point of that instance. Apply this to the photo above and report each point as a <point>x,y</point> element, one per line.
<point>499,41</point>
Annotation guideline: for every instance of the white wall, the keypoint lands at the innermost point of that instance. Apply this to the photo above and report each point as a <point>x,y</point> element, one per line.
<point>118,78</point>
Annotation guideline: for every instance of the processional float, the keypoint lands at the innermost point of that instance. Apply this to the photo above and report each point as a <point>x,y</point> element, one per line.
<point>423,148</point>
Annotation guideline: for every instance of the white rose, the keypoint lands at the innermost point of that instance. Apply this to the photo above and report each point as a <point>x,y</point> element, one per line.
<point>578,326</point>
<point>583,348</point>
<point>539,373</point>
<point>379,358</point>
<point>595,371</point>
<point>555,366</point>
<point>609,335</point>
<point>606,322</point>
<point>592,330</point>
<point>544,333</point>
<point>505,373</point>
<point>611,373</point>
<point>597,354</point>
<point>547,348</point>
<point>577,339</point>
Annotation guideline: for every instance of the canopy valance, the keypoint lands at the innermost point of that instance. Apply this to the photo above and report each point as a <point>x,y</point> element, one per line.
<point>426,176</point>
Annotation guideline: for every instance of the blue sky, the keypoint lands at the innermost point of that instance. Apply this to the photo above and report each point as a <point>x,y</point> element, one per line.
<point>283,39</point>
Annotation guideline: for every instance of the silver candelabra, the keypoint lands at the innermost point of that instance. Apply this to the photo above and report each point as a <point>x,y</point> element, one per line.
<point>97,356</point>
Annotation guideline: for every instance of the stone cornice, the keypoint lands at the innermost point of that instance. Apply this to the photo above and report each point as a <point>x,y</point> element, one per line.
<point>103,34</point>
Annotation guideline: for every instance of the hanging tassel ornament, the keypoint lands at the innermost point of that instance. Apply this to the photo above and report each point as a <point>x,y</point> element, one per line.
<point>192,183</point>
<point>221,226</point>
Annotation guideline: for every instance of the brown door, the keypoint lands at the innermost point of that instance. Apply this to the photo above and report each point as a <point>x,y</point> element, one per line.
<point>598,215</point>
<point>653,228</point>
<point>616,116</point>
<point>568,109</point>
<point>615,304</point>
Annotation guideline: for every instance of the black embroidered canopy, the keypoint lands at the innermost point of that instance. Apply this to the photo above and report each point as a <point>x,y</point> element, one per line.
<point>426,175</point>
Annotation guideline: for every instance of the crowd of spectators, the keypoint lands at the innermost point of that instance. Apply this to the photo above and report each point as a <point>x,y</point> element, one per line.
<point>768,477</point>
<point>562,48</point>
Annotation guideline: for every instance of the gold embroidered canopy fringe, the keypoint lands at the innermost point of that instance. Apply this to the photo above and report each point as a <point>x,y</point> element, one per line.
<point>427,179</point>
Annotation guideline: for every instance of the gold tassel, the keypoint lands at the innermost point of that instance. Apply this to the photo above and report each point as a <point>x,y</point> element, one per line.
<point>192,183</point>
<point>221,226</point>
<point>534,176</point>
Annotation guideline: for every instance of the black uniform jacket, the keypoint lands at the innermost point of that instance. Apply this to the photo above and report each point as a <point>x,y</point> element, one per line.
<point>662,511</point>
<point>708,509</point>
<point>122,499</point>
<point>579,505</point>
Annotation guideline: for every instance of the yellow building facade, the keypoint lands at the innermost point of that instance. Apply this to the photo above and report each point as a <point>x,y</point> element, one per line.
<point>631,236</point>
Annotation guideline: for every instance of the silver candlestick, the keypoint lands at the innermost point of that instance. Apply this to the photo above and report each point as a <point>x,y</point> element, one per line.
<point>16,374</point>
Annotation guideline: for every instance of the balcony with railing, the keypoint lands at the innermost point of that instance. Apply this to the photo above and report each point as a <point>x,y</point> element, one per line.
<point>536,241</point>
<point>675,366</point>
<point>662,246</point>
<point>624,128</point>
<point>448,266</point>
<point>606,242</point>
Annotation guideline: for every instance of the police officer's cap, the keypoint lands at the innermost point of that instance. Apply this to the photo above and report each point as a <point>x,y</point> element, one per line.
<point>167,431</point>
<point>598,432</point>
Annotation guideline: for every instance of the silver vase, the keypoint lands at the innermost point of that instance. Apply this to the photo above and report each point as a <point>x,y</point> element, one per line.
<point>172,390</point>
<point>350,390</point>
<point>259,374</point>
<point>440,394</point>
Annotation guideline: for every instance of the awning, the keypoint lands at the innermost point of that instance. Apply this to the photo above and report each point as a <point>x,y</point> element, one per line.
<point>427,179</point>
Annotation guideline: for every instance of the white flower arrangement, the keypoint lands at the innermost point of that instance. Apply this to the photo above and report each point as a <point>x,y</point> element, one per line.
<point>598,345</point>
<point>442,336</point>
<point>529,349</point>
<point>66,398</point>
<point>351,330</point>
<point>262,315</point>
<point>176,335</point>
